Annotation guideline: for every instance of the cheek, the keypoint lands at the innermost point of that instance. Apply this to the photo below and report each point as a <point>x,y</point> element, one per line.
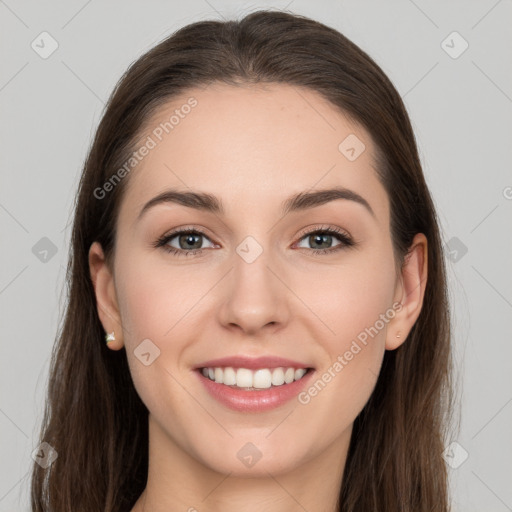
<point>160,304</point>
<point>154,307</point>
<point>357,307</point>
<point>367,294</point>
<point>351,298</point>
<point>155,299</point>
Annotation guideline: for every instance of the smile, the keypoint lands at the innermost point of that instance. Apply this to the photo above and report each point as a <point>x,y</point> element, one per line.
<point>262,378</point>
<point>254,385</point>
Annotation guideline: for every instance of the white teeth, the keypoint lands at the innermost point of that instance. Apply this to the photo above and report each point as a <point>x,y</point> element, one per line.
<point>219,375</point>
<point>289,375</point>
<point>262,378</point>
<point>244,378</point>
<point>229,377</point>
<point>277,377</point>
<point>299,373</point>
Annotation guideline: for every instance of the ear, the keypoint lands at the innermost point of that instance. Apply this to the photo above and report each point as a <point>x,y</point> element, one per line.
<point>409,291</point>
<point>106,300</point>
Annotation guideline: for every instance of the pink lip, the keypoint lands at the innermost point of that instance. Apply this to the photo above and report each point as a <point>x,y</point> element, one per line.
<point>258,400</point>
<point>252,363</point>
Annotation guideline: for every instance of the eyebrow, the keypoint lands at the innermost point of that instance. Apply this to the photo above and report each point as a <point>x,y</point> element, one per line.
<point>298,202</point>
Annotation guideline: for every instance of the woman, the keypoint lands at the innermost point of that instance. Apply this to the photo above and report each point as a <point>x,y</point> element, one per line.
<point>257,316</point>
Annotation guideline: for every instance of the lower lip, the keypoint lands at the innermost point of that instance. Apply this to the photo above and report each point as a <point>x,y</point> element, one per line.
<point>257,400</point>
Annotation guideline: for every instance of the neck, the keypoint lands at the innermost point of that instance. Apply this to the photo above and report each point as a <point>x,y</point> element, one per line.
<point>177,481</point>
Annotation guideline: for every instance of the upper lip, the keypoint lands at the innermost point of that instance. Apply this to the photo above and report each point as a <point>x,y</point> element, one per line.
<point>253,362</point>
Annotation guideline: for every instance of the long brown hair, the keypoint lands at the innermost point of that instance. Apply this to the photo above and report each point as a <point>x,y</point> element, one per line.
<point>94,418</point>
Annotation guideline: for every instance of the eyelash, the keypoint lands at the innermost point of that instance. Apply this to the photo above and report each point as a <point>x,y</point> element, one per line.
<point>346,241</point>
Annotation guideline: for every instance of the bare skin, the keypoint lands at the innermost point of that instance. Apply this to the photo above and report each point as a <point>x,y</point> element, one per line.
<point>253,147</point>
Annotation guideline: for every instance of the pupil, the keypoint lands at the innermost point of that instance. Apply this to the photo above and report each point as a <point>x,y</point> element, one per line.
<point>189,239</point>
<point>321,238</point>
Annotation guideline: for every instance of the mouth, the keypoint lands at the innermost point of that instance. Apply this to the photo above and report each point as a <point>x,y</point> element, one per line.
<point>254,385</point>
<point>254,380</point>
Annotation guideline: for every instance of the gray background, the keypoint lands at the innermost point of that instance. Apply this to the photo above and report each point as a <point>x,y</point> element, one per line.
<point>461,112</point>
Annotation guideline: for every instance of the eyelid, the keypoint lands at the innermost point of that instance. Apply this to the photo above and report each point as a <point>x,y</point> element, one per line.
<point>309,230</point>
<point>302,233</point>
<point>164,239</point>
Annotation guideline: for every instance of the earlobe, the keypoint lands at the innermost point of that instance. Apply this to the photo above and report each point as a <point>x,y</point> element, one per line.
<point>106,300</point>
<point>410,292</point>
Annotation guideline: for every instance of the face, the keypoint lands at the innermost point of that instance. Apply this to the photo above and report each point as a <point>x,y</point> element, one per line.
<point>260,284</point>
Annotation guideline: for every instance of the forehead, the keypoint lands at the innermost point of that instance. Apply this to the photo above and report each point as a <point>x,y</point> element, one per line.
<point>252,146</point>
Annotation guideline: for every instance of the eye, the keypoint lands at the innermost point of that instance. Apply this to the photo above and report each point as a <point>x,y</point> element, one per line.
<point>187,241</point>
<point>324,237</point>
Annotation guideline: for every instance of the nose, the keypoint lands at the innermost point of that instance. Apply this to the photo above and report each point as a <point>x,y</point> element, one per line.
<point>256,300</point>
